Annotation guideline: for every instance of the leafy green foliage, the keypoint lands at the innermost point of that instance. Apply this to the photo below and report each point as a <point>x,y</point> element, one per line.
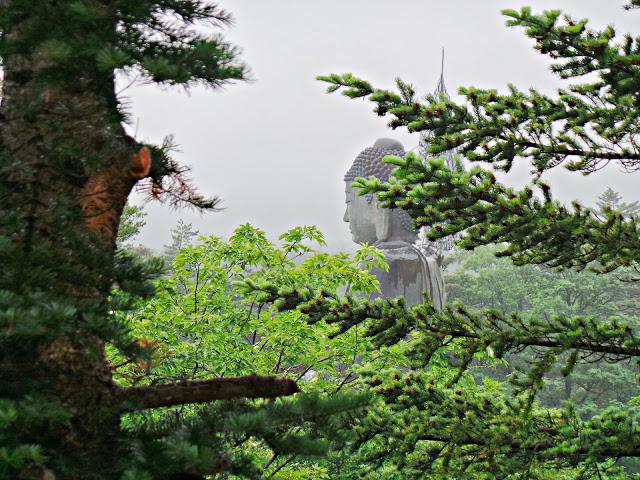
<point>450,341</point>
<point>17,418</point>
<point>479,279</point>
<point>207,320</point>
<point>248,433</point>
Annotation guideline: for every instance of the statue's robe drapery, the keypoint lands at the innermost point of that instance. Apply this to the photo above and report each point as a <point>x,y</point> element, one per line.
<point>411,274</point>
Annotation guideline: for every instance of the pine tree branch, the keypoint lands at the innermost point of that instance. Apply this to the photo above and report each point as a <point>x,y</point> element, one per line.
<point>389,321</point>
<point>538,448</point>
<point>281,466</point>
<point>584,126</point>
<point>537,230</point>
<point>483,425</point>
<point>185,392</point>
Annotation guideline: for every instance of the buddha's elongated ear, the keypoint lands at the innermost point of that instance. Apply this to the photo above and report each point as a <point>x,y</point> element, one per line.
<point>383,224</point>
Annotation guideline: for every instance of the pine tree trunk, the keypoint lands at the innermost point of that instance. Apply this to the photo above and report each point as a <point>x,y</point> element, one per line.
<point>65,176</point>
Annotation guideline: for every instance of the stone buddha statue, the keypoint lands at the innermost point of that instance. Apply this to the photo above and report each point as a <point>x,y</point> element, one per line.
<point>411,270</point>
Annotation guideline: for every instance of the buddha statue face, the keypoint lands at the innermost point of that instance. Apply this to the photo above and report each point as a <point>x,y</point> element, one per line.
<point>361,215</point>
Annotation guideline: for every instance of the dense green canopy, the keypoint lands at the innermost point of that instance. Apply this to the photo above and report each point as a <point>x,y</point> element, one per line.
<point>106,375</point>
<point>583,127</point>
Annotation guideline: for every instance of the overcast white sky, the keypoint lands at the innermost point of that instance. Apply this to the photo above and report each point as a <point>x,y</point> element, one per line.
<point>276,149</point>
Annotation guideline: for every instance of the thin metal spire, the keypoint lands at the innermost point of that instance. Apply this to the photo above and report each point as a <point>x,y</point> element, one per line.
<point>444,244</point>
<point>425,137</point>
<point>441,88</point>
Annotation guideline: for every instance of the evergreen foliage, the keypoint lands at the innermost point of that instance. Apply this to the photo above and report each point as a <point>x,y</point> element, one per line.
<point>181,236</point>
<point>448,424</point>
<point>89,391</point>
<point>131,221</point>
<point>613,200</point>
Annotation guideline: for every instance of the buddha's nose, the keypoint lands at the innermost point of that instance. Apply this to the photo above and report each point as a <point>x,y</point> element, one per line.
<point>345,218</point>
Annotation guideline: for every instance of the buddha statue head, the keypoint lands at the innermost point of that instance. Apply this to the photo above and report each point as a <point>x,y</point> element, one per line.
<point>369,223</point>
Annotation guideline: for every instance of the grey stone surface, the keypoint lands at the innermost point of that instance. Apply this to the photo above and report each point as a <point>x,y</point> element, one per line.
<point>411,272</point>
